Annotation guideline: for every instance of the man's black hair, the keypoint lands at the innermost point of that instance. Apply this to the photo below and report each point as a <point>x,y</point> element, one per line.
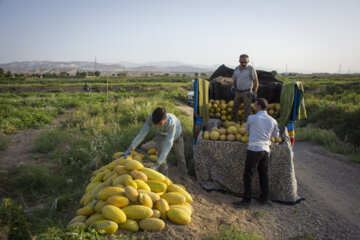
<point>262,102</point>
<point>158,115</point>
<point>244,55</point>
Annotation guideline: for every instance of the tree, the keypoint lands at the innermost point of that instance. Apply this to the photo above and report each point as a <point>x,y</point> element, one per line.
<point>81,74</point>
<point>8,74</point>
<point>275,73</point>
<point>122,74</point>
<point>97,73</point>
<point>63,74</point>
<point>2,73</point>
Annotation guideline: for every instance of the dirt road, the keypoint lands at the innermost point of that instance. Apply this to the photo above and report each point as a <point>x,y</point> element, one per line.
<point>331,186</point>
<point>330,175</point>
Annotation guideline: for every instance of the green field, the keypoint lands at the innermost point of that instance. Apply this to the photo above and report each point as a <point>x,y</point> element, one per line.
<point>332,105</point>
<point>101,123</point>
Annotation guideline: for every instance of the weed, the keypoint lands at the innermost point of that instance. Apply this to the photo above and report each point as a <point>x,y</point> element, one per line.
<point>4,141</point>
<point>319,136</point>
<point>37,179</point>
<point>355,158</point>
<point>260,214</point>
<point>306,236</point>
<point>231,233</point>
<point>79,233</point>
<point>329,140</point>
<point>49,140</point>
<point>14,220</point>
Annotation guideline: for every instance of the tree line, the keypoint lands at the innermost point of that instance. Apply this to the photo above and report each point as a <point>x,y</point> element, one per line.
<point>9,74</point>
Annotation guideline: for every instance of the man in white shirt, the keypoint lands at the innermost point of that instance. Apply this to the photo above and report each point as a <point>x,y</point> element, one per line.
<point>261,127</point>
<point>168,134</point>
<point>245,84</point>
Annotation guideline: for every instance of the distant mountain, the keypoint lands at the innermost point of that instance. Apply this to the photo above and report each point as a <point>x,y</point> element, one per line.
<point>158,67</point>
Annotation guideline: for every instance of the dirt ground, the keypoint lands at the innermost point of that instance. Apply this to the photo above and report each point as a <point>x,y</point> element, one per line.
<point>328,181</point>
<point>22,142</point>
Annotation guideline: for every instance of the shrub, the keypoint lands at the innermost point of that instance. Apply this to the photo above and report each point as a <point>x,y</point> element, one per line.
<point>37,179</point>
<point>49,140</point>
<point>14,224</point>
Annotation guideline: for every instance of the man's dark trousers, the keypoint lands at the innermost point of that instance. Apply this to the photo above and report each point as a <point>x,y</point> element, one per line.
<point>256,160</point>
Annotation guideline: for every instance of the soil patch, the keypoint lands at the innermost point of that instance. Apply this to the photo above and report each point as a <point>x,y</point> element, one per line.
<point>22,142</point>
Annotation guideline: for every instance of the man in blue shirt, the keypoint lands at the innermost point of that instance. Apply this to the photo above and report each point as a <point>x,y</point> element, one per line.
<point>168,134</point>
<point>261,128</point>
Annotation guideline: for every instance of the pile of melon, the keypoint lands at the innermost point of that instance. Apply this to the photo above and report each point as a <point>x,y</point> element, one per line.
<point>231,131</point>
<point>223,110</point>
<point>128,196</point>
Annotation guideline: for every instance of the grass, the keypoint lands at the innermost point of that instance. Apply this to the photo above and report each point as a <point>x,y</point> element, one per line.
<point>231,233</point>
<point>306,236</point>
<point>329,140</point>
<point>260,214</point>
<point>13,221</point>
<point>49,140</point>
<point>114,82</point>
<point>83,143</point>
<point>4,142</point>
<point>319,136</point>
<point>100,126</point>
<point>333,112</point>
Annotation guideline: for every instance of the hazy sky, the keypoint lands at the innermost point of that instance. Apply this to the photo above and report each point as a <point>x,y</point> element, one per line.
<point>308,36</point>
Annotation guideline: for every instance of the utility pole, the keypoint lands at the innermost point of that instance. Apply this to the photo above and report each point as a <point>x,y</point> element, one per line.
<point>95,64</point>
<point>107,88</point>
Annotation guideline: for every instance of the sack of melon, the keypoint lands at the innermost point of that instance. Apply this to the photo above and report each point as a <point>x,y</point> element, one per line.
<point>126,195</point>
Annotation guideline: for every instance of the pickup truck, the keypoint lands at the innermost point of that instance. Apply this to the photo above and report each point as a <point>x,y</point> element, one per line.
<point>269,88</point>
<point>219,164</point>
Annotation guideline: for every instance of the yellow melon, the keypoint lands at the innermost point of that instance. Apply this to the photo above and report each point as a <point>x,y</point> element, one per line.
<point>222,137</point>
<point>231,130</point>
<point>152,151</point>
<point>230,137</point>
<point>214,135</point>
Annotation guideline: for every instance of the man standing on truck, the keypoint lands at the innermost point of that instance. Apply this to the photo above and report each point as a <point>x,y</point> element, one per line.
<point>261,127</point>
<point>245,85</point>
<point>168,134</point>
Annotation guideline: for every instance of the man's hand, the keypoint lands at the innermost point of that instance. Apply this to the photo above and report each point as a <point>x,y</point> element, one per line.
<point>232,89</point>
<point>253,97</point>
<point>126,153</point>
